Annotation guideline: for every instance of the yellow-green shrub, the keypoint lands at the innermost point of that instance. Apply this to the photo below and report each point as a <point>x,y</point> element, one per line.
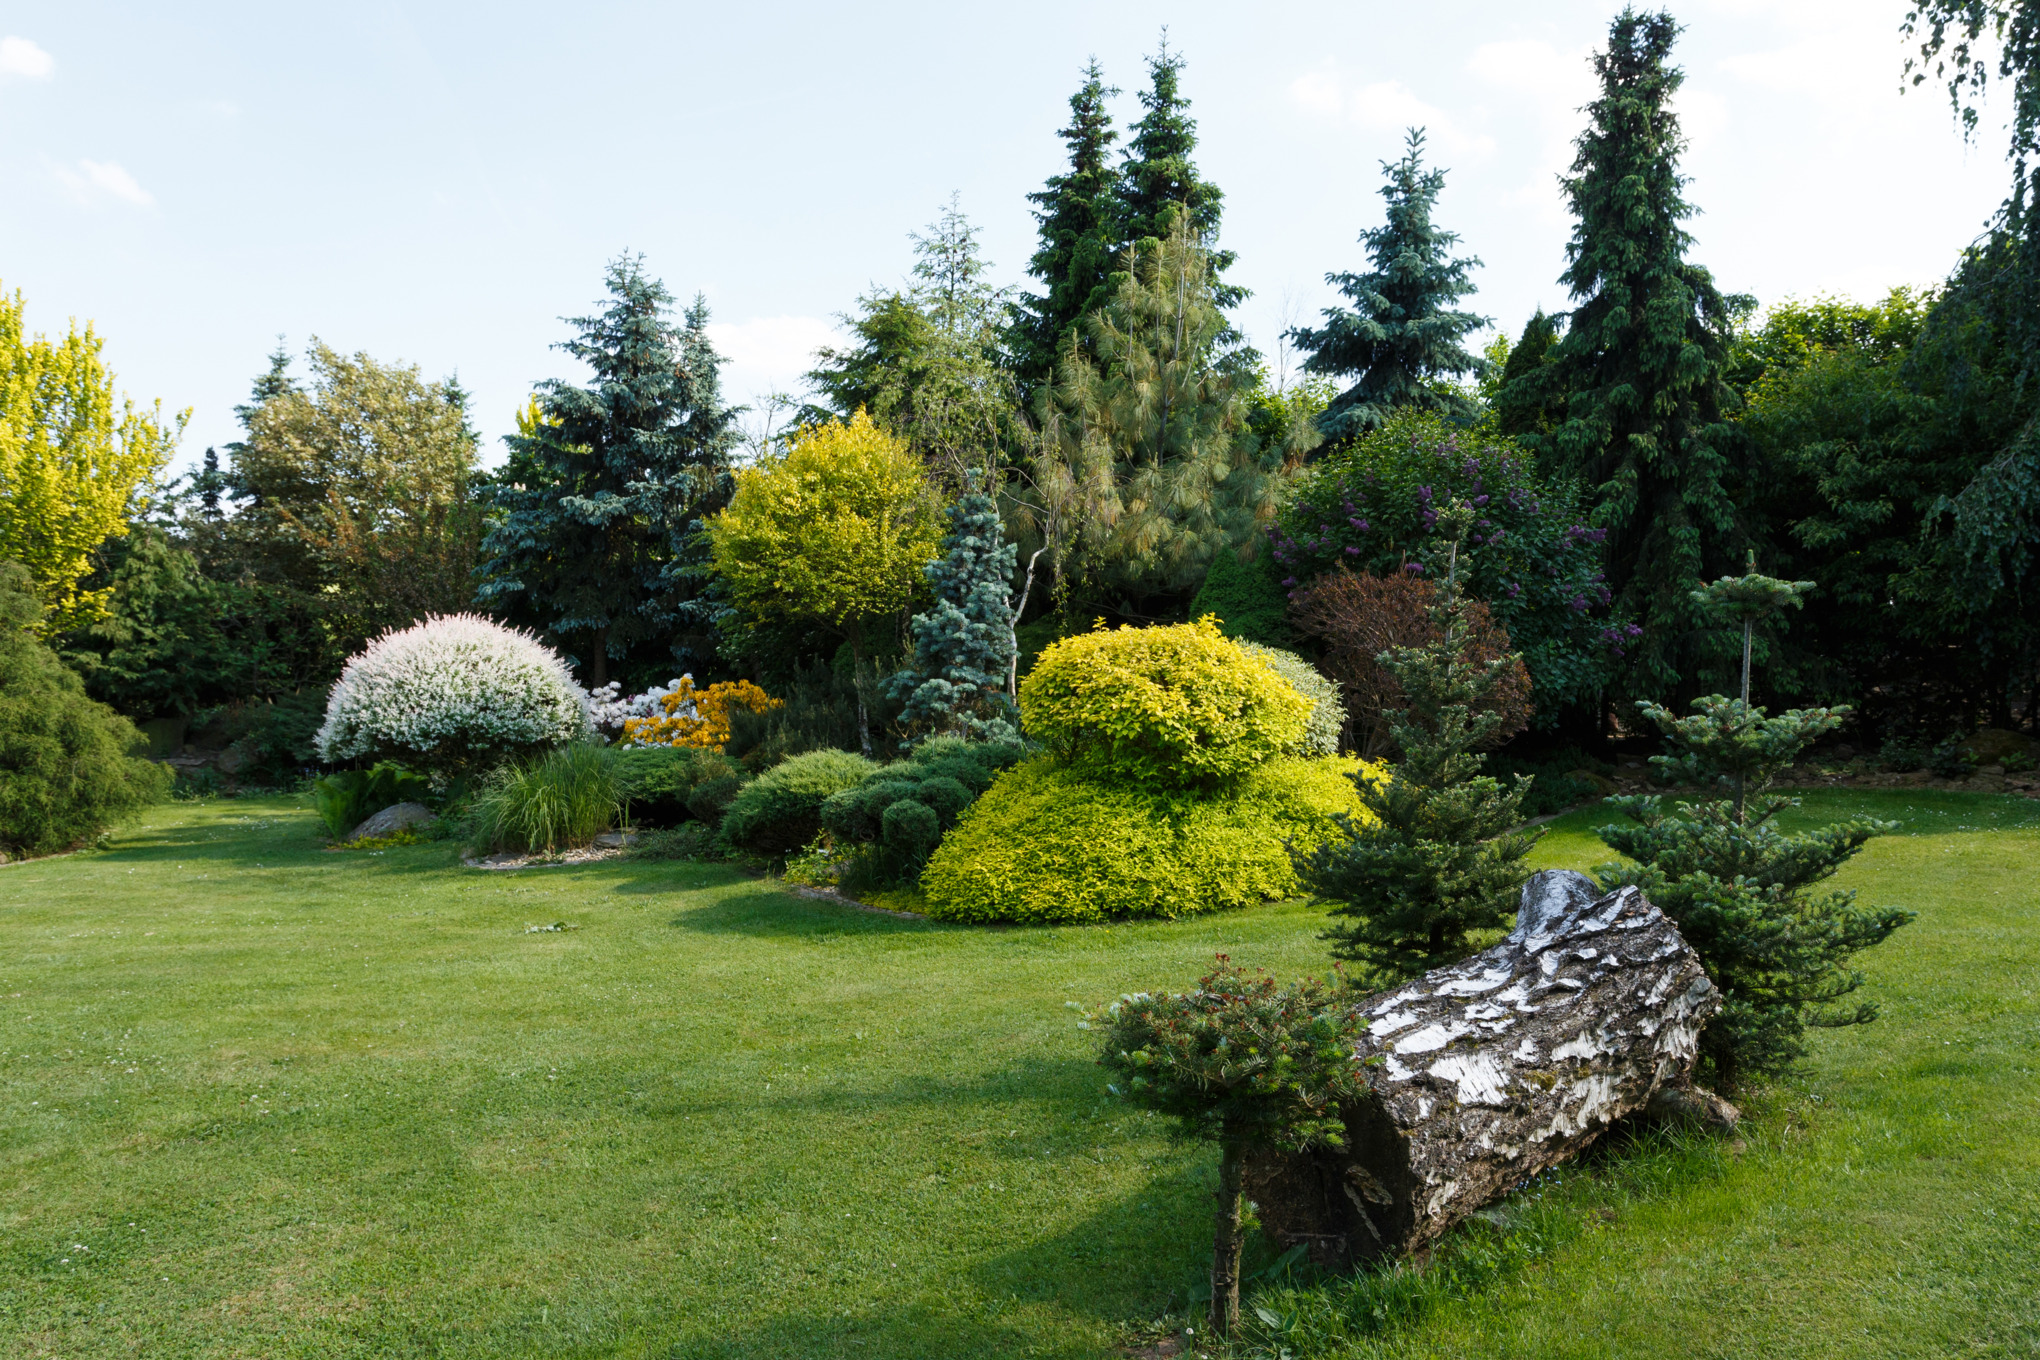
<point>1168,706</point>
<point>1046,843</point>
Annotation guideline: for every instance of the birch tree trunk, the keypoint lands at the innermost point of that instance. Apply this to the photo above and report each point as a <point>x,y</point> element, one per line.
<point>1487,1071</point>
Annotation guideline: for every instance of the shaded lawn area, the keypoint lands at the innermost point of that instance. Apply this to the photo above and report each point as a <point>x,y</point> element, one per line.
<point>258,1099</point>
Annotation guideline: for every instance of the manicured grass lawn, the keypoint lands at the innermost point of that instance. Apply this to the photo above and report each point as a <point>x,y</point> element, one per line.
<point>257,1099</point>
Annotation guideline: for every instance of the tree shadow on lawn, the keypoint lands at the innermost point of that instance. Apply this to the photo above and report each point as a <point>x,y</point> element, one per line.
<point>766,910</point>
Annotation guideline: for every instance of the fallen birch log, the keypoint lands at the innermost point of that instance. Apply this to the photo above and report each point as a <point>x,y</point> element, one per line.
<point>1490,1070</point>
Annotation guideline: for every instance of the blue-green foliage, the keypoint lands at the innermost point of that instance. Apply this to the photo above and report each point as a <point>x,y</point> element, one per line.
<point>349,798</point>
<point>963,647</point>
<point>900,813</point>
<point>601,503</point>
<point>1400,339</point>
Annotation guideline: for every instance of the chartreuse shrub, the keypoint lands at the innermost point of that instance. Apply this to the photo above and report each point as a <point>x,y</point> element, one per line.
<point>892,821</point>
<point>66,768</point>
<point>1052,843</point>
<point>564,798</point>
<point>347,799</point>
<point>781,810</point>
<point>1171,706</point>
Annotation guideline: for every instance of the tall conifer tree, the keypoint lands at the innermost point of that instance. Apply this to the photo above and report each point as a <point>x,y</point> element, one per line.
<point>1638,373</point>
<point>1077,212</point>
<point>603,497</point>
<point>1158,178</point>
<point>1402,333</point>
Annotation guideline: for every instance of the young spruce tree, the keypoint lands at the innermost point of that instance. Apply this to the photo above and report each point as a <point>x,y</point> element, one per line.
<point>1402,335</point>
<point>601,504</point>
<point>1077,213</point>
<point>1158,180</point>
<point>964,646</point>
<point>1638,373</point>
<point>1735,884</point>
<point>1439,858</point>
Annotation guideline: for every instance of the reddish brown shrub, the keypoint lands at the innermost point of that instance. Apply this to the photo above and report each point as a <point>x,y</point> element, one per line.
<point>1356,618</point>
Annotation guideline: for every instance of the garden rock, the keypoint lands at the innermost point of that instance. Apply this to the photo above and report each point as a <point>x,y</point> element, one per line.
<point>392,820</point>
<point>1487,1071</point>
<point>1694,1106</point>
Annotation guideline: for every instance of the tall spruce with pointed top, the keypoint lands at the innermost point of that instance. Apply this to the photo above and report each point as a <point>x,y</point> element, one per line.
<point>964,646</point>
<point>1402,335</point>
<point>1735,884</point>
<point>1077,213</point>
<point>1439,859</point>
<point>601,503</point>
<point>1638,373</point>
<point>1157,178</point>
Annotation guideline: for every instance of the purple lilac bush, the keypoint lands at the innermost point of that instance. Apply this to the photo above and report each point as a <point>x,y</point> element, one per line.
<point>1373,505</point>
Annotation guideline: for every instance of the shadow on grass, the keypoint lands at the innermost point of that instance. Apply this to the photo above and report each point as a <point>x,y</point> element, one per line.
<point>767,910</point>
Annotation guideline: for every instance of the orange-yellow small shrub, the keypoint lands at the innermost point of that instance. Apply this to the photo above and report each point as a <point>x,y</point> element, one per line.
<point>697,718</point>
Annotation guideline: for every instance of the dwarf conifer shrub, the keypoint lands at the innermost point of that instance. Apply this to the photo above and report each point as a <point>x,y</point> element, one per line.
<point>1327,710</point>
<point>781,810</point>
<point>454,694</point>
<point>1167,706</point>
<point>67,768</point>
<point>658,781</point>
<point>876,818</point>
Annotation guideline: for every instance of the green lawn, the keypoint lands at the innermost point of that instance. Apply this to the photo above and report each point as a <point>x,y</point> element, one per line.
<point>261,1100</point>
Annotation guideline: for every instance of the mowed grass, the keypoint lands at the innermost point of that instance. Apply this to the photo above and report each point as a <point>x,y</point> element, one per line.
<point>257,1099</point>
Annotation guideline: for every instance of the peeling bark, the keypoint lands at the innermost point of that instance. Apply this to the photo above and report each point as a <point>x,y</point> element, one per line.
<point>1488,1071</point>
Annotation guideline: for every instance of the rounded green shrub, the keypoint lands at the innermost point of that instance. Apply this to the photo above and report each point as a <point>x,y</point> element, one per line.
<point>910,828</point>
<point>1168,706</point>
<point>1327,709</point>
<point>781,810</point>
<point>711,798</point>
<point>1047,843</point>
<point>66,768</point>
<point>658,780</point>
<point>946,796</point>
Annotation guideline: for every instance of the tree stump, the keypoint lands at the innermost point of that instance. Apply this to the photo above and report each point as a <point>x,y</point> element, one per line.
<point>1488,1071</point>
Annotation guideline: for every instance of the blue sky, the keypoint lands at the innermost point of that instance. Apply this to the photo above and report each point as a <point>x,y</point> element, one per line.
<point>440,183</point>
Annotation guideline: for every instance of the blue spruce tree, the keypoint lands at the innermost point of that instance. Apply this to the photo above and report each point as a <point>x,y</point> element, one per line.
<point>964,647</point>
<point>601,503</point>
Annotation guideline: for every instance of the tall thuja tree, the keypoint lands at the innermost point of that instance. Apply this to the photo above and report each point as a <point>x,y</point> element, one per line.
<point>964,647</point>
<point>600,506</point>
<point>1638,373</point>
<point>1441,853</point>
<point>1402,338</point>
<point>1158,180</point>
<point>1077,215</point>
<point>1738,887</point>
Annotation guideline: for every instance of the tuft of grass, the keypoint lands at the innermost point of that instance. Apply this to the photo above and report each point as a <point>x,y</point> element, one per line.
<point>562,799</point>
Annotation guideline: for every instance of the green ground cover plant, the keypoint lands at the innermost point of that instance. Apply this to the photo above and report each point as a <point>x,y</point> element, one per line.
<point>256,1099</point>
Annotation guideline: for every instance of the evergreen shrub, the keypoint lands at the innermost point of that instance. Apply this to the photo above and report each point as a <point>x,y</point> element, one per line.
<point>1166,706</point>
<point>453,694</point>
<point>1327,709</point>
<point>711,798</point>
<point>1050,843</point>
<point>657,781</point>
<point>562,799</point>
<point>1247,599</point>
<point>66,768</point>
<point>781,810</point>
<point>889,841</point>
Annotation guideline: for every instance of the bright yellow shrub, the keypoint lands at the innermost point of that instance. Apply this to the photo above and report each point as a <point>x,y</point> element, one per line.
<point>1047,844</point>
<point>701,719</point>
<point>1169,706</point>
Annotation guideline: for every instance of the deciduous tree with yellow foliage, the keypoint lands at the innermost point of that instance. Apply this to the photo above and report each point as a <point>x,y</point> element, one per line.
<point>75,460</point>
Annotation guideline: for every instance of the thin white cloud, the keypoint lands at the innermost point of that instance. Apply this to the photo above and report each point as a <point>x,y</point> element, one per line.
<point>1387,106</point>
<point>93,180</point>
<point>21,57</point>
<point>769,353</point>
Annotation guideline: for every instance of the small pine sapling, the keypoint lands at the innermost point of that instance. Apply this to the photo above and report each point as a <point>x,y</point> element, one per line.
<point>1439,857</point>
<point>964,647</point>
<point>1735,884</point>
<point>1244,1063</point>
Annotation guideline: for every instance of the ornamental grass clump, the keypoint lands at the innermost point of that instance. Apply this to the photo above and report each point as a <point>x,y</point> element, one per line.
<point>453,695</point>
<point>1244,1063</point>
<point>558,801</point>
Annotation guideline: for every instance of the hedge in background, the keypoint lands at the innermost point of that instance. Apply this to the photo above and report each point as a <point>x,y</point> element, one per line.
<point>66,774</point>
<point>1048,844</point>
<point>1170,707</point>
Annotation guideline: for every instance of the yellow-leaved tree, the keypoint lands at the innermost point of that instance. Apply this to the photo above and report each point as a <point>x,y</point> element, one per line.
<point>833,533</point>
<point>75,461</point>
